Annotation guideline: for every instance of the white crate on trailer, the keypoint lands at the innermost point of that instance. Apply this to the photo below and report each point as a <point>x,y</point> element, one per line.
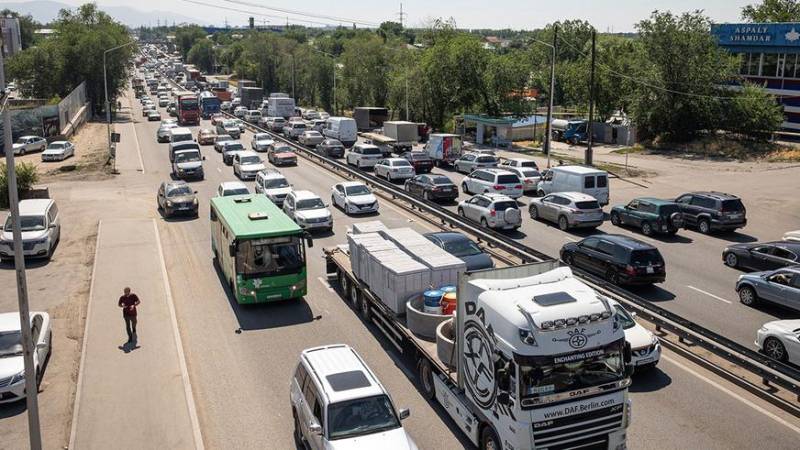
<point>359,245</point>
<point>372,226</point>
<point>394,277</point>
<point>444,267</point>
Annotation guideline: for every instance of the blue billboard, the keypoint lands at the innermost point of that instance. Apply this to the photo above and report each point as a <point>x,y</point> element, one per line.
<point>780,37</point>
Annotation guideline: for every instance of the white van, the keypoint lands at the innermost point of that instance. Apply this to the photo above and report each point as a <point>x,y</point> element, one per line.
<point>584,179</point>
<point>342,129</point>
<point>180,134</point>
<point>40,226</point>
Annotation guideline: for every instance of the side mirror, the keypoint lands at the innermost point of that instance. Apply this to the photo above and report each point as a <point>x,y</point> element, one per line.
<point>314,427</point>
<point>404,413</point>
<point>52,225</point>
<point>41,345</point>
<point>204,158</point>
<point>309,240</point>
<point>195,192</point>
<point>633,314</point>
<point>232,250</point>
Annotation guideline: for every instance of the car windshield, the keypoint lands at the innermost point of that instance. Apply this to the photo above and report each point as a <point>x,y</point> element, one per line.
<point>361,416</point>
<point>418,156</point>
<point>224,138</point>
<point>27,223</point>
<point>485,159</point>
<point>530,173</point>
<point>544,376</point>
<point>441,180</point>
<point>310,203</point>
<point>55,146</point>
<point>352,191</point>
<point>371,151</point>
<point>187,157</point>
<point>230,124</point>
<point>732,206</point>
<point>179,191</point>
<point>462,247</point>
<point>646,257</point>
<point>10,343</point>
<point>504,205</point>
<point>625,319</point>
<point>275,183</point>
<point>262,137</point>
<point>22,140</point>
<point>283,149</point>
<point>250,160</point>
<point>401,163</point>
<point>234,147</point>
<point>270,256</point>
<point>528,164</point>
<point>589,204</point>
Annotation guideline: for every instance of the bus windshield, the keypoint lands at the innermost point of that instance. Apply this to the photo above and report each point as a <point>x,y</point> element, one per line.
<point>270,256</point>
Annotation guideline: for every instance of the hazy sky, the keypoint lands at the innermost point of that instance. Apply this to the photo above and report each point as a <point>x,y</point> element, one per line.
<point>605,15</point>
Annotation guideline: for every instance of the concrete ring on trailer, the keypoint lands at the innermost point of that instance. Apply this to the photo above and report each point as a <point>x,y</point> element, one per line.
<point>421,323</point>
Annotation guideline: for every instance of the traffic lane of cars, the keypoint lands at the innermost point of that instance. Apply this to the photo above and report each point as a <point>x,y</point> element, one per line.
<point>224,365</point>
<point>685,396</point>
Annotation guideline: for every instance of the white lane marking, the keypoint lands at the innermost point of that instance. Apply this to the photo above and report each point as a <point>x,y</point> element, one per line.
<point>219,170</point>
<point>567,238</point>
<point>77,402</point>
<point>734,395</point>
<point>187,385</point>
<point>138,149</point>
<point>325,284</point>
<point>709,294</point>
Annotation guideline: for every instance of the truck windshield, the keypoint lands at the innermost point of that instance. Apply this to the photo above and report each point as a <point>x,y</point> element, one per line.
<point>361,416</point>
<point>269,257</point>
<point>545,376</point>
<point>189,105</point>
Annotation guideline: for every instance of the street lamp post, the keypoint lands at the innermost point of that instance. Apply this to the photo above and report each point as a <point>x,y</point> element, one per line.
<point>108,107</point>
<point>547,131</point>
<point>333,58</point>
<point>31,387</point>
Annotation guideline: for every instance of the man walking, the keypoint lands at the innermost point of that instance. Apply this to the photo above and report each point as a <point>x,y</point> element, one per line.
<point>128,302</point>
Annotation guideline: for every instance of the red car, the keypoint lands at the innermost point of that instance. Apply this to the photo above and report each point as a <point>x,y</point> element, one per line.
<point>206,136</point>
<point>216,118</point>
<point>421,162</point>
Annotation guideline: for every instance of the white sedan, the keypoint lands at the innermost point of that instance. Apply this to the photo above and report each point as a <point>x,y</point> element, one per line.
<point>645,347</point>
<point>227,188</point>
<point>310,138</point>
<point>247,164</point>
<point>12,365</point>
<point>780,339</point>
<point>354,198</point>
<point>58,151</point>
<point>261,142</point>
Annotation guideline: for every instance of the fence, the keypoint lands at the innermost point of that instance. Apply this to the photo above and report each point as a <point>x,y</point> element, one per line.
<point>70,105</point>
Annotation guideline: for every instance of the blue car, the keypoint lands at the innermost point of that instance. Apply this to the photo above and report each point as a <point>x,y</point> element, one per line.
<point>463,248</point>
<point>780,286</point>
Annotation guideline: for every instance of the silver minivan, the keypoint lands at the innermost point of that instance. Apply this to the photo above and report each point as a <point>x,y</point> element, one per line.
<point>40,226</point>
<point>584,179</point>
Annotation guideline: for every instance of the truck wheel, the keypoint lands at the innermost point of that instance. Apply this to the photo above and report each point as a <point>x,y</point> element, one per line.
<point>489,440</point>
<point>364,309</point>
<point>425,374</point>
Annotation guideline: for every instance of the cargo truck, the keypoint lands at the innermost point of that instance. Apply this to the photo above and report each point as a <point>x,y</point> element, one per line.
<point>535,358</point>
<point>209,104</point>
<point>405,135</point>
<point>251,96</point>
<point>187,109</point>
<point>370,118</point>
<point>443,148</point>
<point>280,105</point>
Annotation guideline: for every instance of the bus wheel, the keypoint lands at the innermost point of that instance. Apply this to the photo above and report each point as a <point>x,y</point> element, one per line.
<point>425,374</point>
<point>489,440</point>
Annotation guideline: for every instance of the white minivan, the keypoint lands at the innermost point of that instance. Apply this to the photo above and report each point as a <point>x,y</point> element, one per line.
<point>584,179</point>
<point>338,402</point>
<point>180,134</point>
<point>342,129</point>
<point>40,226</point>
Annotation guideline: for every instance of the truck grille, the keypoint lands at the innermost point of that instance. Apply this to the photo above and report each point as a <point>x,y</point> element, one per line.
<point>581,431</point>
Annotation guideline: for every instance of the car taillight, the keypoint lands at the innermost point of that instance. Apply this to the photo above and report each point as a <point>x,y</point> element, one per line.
<point>630,270</point>
<point>519,186</point>
<point>577,211</point>
<point>498,187</point>
<point>492,212</point>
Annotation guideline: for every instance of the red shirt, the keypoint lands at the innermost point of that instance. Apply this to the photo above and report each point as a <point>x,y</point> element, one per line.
<point>128,304</point>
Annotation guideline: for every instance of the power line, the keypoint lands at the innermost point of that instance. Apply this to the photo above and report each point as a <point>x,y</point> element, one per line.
<point>304,14</point>
<point>257,13</point>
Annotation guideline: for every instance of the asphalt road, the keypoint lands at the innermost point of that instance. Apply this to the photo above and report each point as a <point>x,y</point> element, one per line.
<point>240,359</point>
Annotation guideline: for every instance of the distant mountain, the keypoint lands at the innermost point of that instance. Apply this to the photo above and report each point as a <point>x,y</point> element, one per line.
<point>45,11</point>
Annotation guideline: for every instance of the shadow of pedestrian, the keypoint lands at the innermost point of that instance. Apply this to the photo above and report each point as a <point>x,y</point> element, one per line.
<point>129,346</point>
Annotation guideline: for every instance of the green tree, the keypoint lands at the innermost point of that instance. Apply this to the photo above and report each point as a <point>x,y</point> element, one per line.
<point>772,11</point>
<point>752,112</point>
<point>27,26</point>
<point>38,69</point>
<point>202,55</point>
<point>363,73</point>
<point>185,38</point>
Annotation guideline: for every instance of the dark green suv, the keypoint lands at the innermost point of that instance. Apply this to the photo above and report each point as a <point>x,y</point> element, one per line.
<point>651,215</point>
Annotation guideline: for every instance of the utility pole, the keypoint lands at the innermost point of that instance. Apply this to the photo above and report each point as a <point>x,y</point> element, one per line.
<point>293,96</point>
<point>407,112</point>
<point>31,387</point>
<point>589,130</point>
<point>401,15</point>
<point>547,129</point>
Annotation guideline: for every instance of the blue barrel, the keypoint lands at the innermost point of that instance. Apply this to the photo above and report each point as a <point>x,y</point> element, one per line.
<point>447,288</point>
<point>432,301</point>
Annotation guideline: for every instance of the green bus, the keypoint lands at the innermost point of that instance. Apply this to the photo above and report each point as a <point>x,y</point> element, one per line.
<point>258,248</point>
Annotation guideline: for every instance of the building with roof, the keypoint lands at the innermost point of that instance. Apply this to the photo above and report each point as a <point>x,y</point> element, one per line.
<point>770,57</point>
<point>10,38</point>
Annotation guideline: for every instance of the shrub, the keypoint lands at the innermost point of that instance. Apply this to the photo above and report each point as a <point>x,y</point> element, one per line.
<point>27,176</point>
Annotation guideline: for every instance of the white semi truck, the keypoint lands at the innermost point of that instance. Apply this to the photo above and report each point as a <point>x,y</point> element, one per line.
<point>538,360</point>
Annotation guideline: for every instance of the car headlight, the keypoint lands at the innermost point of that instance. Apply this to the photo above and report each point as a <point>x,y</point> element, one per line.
<point>653,340</point>
<point>20,377</point>
<point>169,204</point>
<point>194,201</point>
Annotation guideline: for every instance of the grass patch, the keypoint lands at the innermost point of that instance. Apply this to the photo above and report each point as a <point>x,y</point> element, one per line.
<point>726,147</point>
<point>637,148</point>
<point>617,169</point>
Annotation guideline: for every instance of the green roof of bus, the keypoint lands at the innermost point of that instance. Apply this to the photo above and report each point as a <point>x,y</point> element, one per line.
<point>235,214</point>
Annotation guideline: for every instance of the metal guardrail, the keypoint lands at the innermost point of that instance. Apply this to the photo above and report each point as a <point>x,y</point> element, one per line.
<point>770,370</point>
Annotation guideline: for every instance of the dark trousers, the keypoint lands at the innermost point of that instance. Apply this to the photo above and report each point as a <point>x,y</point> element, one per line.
<point>130,326</point>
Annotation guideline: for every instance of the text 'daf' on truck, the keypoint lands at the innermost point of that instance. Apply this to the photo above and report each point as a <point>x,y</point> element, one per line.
<point>533,358</point>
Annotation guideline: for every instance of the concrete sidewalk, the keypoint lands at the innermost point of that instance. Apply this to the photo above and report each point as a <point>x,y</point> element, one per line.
<point>132,397</point>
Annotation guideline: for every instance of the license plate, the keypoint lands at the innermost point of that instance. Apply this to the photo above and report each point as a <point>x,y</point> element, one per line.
<point>650,270</point>
<point>645,361</point>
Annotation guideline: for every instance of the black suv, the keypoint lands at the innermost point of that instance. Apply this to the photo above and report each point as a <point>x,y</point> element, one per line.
<point>712,211</point>
<point>620,259</point>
